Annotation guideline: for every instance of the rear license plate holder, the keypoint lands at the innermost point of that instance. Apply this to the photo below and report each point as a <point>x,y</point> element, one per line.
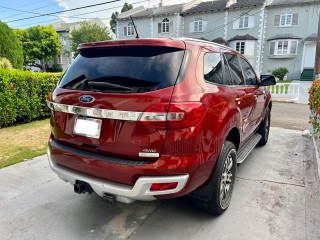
<point>87,127</point>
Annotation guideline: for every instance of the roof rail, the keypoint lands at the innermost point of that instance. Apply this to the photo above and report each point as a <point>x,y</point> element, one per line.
<point>203,41</point>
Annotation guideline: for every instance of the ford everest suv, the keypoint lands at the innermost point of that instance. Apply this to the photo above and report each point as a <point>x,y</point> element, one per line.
<point>149,119</point>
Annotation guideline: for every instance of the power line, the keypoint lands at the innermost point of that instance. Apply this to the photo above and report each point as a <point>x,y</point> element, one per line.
<point>77,16</point>
<point>28,4</point>
<point>15,15</point>
<point>224,25</point>
<point>48,14</point>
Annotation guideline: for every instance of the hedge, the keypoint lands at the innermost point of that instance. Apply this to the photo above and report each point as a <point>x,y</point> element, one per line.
<point>314,104</point>
<point>23,95</point>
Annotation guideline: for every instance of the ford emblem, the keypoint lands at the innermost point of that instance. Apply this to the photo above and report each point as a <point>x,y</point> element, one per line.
<point>86,99</point>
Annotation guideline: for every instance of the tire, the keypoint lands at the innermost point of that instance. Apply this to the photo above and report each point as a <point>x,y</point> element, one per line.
<point>220,199</point>
<point>264,129</point>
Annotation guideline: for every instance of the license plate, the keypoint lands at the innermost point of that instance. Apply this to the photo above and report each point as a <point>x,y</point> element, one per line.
<point>88,127</point>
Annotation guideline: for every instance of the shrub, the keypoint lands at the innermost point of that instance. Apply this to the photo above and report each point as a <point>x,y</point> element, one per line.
<point>314,103</point>
<point>5,63</point>
<point>23,95</point>
<point>280,72</point>
<point>55,68</point>
<point>10,46</point>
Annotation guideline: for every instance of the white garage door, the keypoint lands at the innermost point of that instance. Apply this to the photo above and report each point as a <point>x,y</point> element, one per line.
<point>309,55</point>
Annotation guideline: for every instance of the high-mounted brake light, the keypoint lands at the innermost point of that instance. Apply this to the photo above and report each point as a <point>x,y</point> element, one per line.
<point>173,116</point>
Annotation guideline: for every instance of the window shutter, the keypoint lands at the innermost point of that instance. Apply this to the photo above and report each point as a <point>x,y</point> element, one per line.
<point>159,27</point>
<point>295,18</point>
<point>235,23</point>
<point>251,22</point>
<point>272,47</point>
<point>170,26</point>
<point>293,48</point>
<point>125,31</point>
<point>277,20</point>
<point>191,27</point>
<point>204,25</point>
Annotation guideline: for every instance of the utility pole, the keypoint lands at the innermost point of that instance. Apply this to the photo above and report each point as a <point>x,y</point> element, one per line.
<point>317,60</point>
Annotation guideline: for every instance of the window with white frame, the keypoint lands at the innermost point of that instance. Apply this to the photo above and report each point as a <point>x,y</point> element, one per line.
<point>286,18</point>
<point>283,47</point>
<point>198,24</point>
<point>240,47</point>
<point>165,25</point>
<point>130,29</point>
<point>62,40</point>
<point>244,21</point>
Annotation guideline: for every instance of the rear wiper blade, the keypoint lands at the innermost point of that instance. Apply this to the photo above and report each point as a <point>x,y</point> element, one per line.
<point>108,85</point>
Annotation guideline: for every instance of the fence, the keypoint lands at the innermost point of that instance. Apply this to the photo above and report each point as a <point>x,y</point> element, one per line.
<point>285,90</point>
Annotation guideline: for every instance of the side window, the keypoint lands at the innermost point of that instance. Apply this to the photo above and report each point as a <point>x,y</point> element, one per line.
<point>226,72</point>
<point>235,69</point>
<point>249,74</point>
<point>212,68</point>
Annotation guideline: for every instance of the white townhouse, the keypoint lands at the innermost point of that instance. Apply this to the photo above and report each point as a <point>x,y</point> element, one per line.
<point>63,29</point>
<point>270,33</point>
<point>290,38</point>
<point>155,22</point>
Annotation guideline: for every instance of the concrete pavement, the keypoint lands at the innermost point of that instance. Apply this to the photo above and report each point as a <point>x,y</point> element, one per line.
<point>290,115</point>
<point>276,196</point>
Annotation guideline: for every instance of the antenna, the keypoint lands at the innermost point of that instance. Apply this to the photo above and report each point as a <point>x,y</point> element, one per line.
<point>137,36</point>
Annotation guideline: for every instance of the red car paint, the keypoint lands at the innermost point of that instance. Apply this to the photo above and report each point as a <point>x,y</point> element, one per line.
<point>192,149</point>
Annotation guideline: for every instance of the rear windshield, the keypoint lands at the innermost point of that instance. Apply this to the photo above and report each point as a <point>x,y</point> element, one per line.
<point>124,69</point>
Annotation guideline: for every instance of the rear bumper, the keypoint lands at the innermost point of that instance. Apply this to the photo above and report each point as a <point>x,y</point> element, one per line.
<point>123,193</point>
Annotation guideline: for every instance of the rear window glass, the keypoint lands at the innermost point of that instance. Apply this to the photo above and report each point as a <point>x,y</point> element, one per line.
<point>124,69</point>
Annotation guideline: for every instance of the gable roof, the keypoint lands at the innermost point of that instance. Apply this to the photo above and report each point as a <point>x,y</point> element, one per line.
<point>284,36</point>
<point>218,5</point>
<point>131,12</point>
<point>212,6</point>
<point>242,37</point>
<point>219,40</point>
<point>141,11</point>
<point>289,2</point>
<point>247,4</point>
<point>62,26</point>
<point>312,38</point>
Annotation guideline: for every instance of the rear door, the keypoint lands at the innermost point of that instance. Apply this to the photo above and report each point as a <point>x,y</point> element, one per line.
<point>101,97</point>
<point>240,93</point>
<point>259,93</point>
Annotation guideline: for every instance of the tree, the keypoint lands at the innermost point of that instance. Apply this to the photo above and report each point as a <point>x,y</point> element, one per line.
<point>113,21</point>
<point>10,46</point>
<point>126,7</point>
<point>39,43</point>
<point>87,32</point>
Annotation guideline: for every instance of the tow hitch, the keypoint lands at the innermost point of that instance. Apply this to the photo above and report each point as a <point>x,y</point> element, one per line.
<point>82,187</point>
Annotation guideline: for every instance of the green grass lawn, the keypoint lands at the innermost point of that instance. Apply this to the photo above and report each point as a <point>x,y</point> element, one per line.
<point>23,142</point>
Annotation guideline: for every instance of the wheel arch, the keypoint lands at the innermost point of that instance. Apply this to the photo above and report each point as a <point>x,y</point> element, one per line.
<point>234,136</point>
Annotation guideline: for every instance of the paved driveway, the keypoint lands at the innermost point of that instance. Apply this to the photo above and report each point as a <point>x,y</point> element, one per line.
<point>275,197</point>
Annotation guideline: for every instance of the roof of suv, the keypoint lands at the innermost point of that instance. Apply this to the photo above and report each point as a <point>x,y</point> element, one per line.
<point>166,42</point>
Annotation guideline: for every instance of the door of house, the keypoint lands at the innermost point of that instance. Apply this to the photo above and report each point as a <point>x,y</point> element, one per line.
<point>309,55</point>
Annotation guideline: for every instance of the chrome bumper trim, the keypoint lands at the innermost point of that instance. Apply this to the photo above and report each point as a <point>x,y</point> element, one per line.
<point>123,193</point>
<point>95,112</point>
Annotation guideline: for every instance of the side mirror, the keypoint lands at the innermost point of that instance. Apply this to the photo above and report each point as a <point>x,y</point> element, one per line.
<point>267,80</point>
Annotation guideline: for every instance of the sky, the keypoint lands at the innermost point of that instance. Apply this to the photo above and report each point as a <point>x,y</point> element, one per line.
<point>25,13</point>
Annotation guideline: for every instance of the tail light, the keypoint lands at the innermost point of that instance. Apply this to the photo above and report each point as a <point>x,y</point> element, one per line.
<point>173,116</point>
<point>163,186</point>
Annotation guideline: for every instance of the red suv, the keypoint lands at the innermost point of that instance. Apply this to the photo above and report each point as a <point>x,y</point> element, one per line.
<point>151,119</point>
